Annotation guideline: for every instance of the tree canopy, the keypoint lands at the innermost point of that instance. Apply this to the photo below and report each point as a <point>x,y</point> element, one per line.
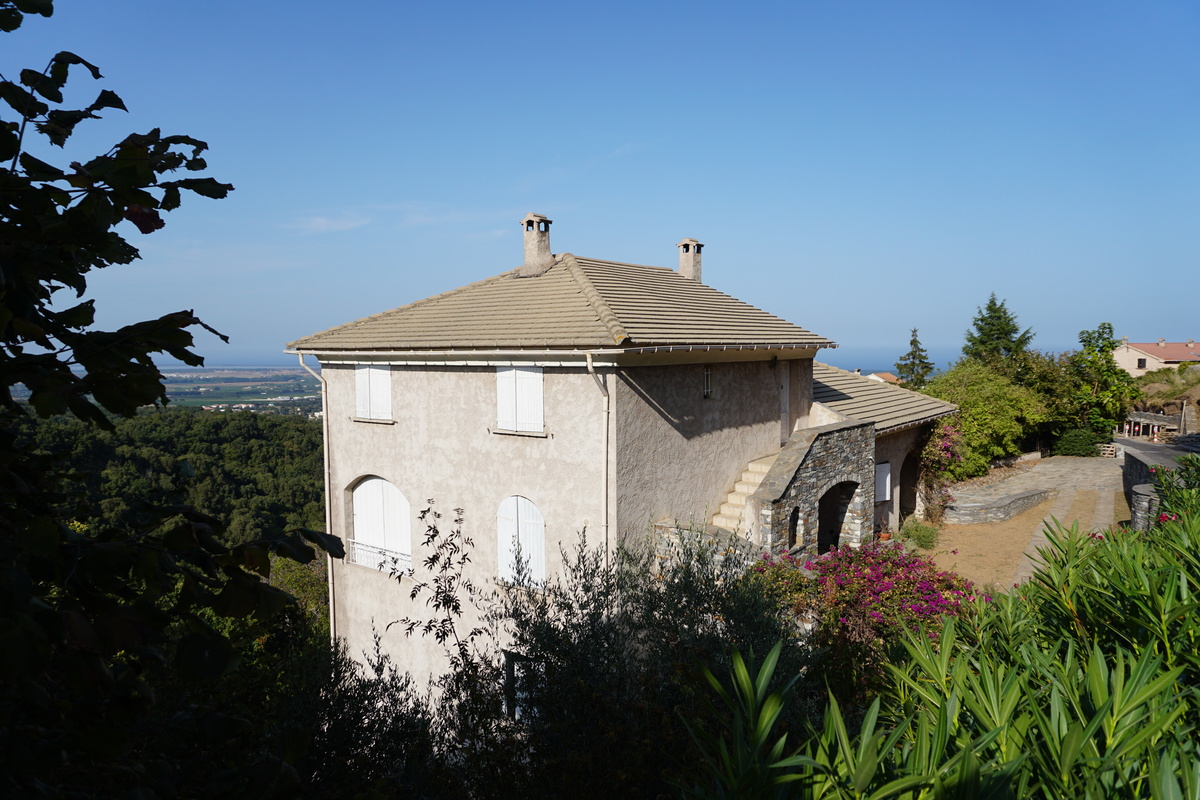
<point>995,333</point>
<point>995,414</point>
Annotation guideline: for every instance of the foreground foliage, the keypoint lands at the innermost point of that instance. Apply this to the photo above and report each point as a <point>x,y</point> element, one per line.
<point>98,620</point>
<point>1083,682</point>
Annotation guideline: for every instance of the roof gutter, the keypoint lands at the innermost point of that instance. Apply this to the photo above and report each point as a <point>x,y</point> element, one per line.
<point>328,513</point>
<point>521,353</point>
<point>607,423</point>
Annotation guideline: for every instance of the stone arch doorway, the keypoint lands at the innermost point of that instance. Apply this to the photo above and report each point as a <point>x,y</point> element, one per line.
<point>831,514</point>
<point>910,476</point>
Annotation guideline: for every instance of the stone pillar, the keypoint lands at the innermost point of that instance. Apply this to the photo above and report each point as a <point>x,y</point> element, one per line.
<point>1143,507</point>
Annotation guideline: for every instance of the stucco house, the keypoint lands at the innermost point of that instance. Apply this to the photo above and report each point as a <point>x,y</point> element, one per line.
<point>575,394</point>
<point>1138,358</point>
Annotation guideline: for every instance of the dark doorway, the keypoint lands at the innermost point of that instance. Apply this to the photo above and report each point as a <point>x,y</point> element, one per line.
<point>910,475</point>
<point>831,515</point>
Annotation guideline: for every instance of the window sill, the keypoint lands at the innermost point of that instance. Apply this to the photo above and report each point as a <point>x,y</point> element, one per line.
<point>374,421</point>
<point>530,434</point>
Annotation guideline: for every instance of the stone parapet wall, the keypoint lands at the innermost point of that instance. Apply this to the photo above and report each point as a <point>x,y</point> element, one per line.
<point>728,551</point>
<point>996,509</point>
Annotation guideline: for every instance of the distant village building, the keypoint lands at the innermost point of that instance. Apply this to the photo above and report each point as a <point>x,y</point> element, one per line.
<point>1138,358</point>
<point>575,394</point>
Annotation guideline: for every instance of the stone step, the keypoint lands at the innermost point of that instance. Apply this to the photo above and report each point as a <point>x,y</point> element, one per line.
<point>763,465</point>
<point>728,523</point>
<point>736,510</point>
<point>746,487</point>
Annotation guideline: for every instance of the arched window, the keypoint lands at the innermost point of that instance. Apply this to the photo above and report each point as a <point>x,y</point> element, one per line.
<point>520,528</point>
<point>381,531</point>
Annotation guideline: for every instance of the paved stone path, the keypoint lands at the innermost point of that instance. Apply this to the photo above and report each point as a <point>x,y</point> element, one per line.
<point>1069,477</point>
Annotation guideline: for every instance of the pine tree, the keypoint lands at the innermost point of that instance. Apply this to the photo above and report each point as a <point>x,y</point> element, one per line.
<point>996,335</point>
<point>914,366</point>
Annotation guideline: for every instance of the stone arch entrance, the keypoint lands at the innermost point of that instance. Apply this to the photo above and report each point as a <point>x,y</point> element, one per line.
<point>831,514</point>
<point>910,476</point>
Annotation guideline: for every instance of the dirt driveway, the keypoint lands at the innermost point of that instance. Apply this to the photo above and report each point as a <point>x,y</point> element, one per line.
<point>997,555</point>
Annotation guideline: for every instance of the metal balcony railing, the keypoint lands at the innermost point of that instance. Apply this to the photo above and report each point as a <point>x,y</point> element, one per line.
<point>369,555</point>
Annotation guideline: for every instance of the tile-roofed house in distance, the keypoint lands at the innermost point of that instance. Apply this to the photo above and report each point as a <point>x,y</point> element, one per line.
<point>574,394</point>
<point>1138,358</point>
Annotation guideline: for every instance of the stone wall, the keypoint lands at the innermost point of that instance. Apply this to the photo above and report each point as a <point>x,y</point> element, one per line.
<point>994,509</point>
<point>816,464</point>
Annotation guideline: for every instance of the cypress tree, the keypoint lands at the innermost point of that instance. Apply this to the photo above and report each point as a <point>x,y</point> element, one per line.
<point>914,366</point>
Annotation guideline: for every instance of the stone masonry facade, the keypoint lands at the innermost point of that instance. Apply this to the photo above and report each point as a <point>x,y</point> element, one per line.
<point>821,490</point>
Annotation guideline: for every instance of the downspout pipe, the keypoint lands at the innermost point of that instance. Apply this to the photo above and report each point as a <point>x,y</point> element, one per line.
<point>607,425</point>
<point>328,513</point>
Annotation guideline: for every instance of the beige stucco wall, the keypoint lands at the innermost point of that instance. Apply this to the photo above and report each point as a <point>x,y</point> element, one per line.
<point>1127,359</point>
<point>440,448</point>
<point>677,452</point>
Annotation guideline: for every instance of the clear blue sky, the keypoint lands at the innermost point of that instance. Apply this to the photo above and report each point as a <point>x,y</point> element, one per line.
<point>858,168</point>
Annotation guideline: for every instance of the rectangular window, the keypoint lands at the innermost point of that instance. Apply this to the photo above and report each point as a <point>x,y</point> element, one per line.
<point>372,392</point>
<point>883,482</point>
<point>516,676</point>
<point>1141,363</point>
<point>709,390</point>
<point>519,399</point>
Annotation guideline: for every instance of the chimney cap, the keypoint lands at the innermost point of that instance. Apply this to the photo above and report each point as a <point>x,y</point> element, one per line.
<point>531,217</point>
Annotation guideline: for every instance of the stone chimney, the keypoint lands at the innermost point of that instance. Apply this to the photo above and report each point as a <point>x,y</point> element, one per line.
<point>538,257</point>
<point>1162,342</point>
<point>689,259</point>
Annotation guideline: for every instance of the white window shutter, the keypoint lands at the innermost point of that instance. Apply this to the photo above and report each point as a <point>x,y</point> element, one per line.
<point>367,500</point>
<point>381,393</point>
<point>532,531</point>
<point>883,482</point>
<point>506,538</point>
<point>362,391</point>
<point>506,398</point>
<point>395,509</point>
<point>529,399</point>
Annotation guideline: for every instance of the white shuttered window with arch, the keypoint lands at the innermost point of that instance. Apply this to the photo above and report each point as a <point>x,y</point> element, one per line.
<point>381,527</point>
<point>519,399</point>
<point>520,527</point>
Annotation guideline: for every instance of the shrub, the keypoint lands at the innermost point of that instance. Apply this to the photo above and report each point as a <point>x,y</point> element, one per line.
<point>921,533</point>
<point>784,581</point>
<point>868,597</point>
<point>1078,442</point>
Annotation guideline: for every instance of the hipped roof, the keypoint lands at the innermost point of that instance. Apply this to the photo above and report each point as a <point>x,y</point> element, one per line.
<point>578,303</point>
<point>889,407</point>
<point>1169,351</point>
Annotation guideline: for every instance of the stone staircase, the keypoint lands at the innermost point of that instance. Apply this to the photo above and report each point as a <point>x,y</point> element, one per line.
<point>731,516</point>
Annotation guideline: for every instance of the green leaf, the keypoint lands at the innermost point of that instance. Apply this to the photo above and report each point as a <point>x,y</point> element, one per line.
<point>67,57</point>
<point>42,84</point>
<point>206,187</point>
<point>107,99</point>
<point>326,541</point>
<point>39,170</point>
<point>22,100</point>
<point>43,7</point>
